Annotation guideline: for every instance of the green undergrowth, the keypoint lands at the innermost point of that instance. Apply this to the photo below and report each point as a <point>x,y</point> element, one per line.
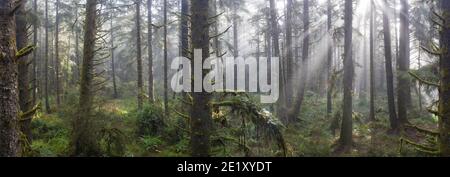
<point>123,131</point>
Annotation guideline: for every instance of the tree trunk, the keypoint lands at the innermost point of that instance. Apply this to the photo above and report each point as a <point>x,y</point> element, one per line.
<point>289,52</point>
<point>166,88</point>
<point>57,62</point>
<point>46,89</point>
<point>295,111</point>
<point>444,102</point>
<point>201,120</point>
<point>24,89</point>
<point>84,142</point>
<point>329,61</point>
<point>235,41</point>
<point>347,118</point>
<point>419,85</point>
<point>235,36</point>
<point>9,99</point>
<point>34,86</point>
<point>216,28</point>
<point>150,52</point>
<point>77,50</point>
<point>372,63</point>
<point>140,81</point>
<point>389,73</point>
<point>113,63</point>
<point>276,53</point>
<point>404,84</point>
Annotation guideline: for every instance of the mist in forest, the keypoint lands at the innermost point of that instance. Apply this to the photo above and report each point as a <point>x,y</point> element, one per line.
<point>224,78</point>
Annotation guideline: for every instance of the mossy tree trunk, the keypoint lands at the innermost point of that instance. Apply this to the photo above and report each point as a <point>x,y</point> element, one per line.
<point>83,141</point>
<point>9,94</point>
<point>24,89</point>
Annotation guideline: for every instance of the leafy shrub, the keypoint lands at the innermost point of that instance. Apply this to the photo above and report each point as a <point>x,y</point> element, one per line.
<point>151,143</point>
<point>150,121</point>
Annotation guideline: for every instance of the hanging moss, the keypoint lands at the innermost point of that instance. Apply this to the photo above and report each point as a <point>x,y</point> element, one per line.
<point>25,51</point>
<point>262,119</point>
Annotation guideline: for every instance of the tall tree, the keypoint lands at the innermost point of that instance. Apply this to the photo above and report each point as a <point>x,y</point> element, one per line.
<point>289,51</point>
<point>57,60</point>
<point>150,51</point>
<point>347,122</point>
<point>24,89</point>
<point>404,84</point>
<point>329,60</point>
<point>389,71</point>
<point>372,62</point>
<point>275,34</point>
<point>444,91</point>
<point>9,99</point>
<point>295,111</point>
<point>113,63</point>
<point>184,29</point>
<point>140,81</point>
<point>166,88</point>
<point>46,66</point>
<point>83,140</point>
<point>34,82</point>
<point>235,32</point>
<point>76,73</point>
<point>201,120</point>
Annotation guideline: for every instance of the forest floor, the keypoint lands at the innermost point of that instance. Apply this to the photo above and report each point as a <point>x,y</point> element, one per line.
<point>310,137</point>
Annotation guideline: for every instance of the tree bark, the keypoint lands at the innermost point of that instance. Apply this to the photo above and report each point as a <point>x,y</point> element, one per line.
<point>77,50</point>
<point>166,87</point>
<point>24,89</point>
<point>9,99</point>
<point>140,81</point>
<point>347,118</point>
<point>372,62</point>
<point>329,61</point>
<point>296,109</point>
<point>150,52</point>
<point>389,71</point>
<point>404,84</point>
<point>444,91</point>
<point>57,61</point>
<point>289,52</point>
<point>46,89</point>
<point>201,120</point>
<point>275,34</point>
<point>34,82</point>
<point>113,63</point>
<point>83,141</point>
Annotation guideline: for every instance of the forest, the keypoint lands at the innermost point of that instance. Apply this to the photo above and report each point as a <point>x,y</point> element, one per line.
<point>224,78</point>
